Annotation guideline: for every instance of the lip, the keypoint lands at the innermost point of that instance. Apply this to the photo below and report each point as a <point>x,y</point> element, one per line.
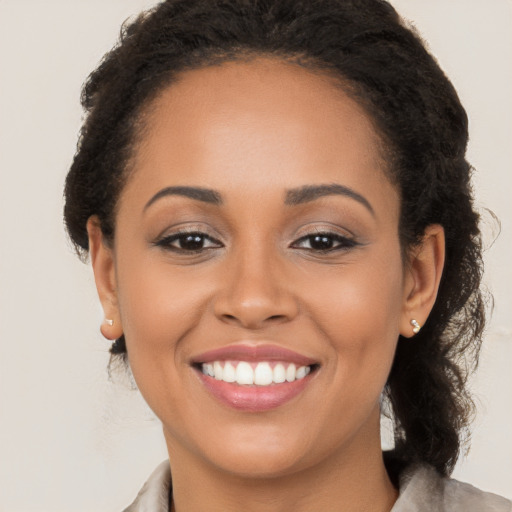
<point>253,353</point>
<point>253,398</point>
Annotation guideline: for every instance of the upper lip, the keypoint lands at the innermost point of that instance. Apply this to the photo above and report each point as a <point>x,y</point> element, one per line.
<point>253,353</point>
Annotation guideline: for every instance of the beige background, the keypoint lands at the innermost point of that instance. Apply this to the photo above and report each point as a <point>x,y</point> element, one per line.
<point>70,440</point>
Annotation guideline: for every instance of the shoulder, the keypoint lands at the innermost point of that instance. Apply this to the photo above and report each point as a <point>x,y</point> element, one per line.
<point>422,490</point>
<point>154,495</point>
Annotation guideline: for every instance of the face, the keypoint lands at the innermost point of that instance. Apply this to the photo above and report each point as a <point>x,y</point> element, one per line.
<point>257,238</point>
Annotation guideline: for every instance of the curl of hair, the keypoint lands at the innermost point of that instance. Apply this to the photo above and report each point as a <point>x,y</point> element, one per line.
<point>383,64</point>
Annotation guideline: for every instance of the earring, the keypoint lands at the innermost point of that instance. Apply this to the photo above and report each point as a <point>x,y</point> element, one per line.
<point>109,321</point>
<point>415,326</point>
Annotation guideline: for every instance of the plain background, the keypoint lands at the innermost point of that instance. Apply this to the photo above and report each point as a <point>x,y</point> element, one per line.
<point>72,441</point>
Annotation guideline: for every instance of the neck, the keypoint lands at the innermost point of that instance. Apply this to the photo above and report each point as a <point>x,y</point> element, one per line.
<point>353,480</point>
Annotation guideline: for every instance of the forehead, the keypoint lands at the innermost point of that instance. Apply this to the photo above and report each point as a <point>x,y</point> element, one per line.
<point>249,124</point>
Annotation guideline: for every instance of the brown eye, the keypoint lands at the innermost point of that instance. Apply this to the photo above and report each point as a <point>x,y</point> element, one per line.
<point>321,242</point>
<point>324,242</point>
<point>191,242</point>
<point>188,242</point>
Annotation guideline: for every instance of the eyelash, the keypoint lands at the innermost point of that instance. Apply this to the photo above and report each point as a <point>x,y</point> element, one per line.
<point>168,240</point>
<point>344,243</point>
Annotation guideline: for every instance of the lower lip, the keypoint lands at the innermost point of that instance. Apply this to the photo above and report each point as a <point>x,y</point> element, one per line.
<point>254,398</point>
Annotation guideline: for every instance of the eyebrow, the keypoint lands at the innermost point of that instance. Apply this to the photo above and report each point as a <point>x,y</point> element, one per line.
<point>200,194</point>
<point>293,197</point>
<point>311,192</point>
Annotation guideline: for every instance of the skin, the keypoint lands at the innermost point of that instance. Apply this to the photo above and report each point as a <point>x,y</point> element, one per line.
<point>252,131</point>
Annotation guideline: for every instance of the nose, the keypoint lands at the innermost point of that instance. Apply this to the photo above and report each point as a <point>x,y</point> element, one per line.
<point>255,292</point>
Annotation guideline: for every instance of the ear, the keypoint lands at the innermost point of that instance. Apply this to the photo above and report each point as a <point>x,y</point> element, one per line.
<point>423,274</point>
<point>103,265</point>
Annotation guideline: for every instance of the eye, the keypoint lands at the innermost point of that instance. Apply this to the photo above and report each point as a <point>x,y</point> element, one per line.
<point>324,242</point>
<point>191,242</point>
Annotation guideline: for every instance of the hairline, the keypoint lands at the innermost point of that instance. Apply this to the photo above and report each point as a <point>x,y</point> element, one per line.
<point>214,57</point>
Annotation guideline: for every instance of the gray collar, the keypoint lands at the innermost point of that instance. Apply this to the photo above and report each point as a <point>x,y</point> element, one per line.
<point>421,490</point>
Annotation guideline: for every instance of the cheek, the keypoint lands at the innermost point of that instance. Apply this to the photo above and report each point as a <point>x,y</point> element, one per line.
<point>159,305</point>
<point>358,311</point>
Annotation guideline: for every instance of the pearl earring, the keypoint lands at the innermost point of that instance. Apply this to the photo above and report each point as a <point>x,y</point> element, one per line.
<point>415,326</point>
<point>109,321</point>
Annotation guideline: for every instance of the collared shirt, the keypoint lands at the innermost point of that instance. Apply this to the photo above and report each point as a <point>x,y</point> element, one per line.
<point>421,489</point>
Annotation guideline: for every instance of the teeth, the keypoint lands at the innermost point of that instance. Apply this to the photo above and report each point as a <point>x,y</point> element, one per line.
<point>260,374</point>
<point>218,370</point>
<point>301,372</point>
<point>229,374</point>
<point>279,374</point>
<point>244,373</point>
<point>208,370</point>
<point>291,372</point>
<point>263,374</point>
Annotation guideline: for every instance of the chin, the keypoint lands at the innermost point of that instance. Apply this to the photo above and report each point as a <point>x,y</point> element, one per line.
<point>246,451</point>
<point>261,463</point>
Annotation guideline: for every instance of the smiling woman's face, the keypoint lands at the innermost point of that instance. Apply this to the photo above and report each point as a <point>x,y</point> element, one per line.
<point>257,231</point>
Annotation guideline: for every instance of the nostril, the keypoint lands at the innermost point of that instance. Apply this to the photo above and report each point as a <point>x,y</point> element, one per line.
<point>276,317</point>
<point>254,312</point>
<point>253,321</point>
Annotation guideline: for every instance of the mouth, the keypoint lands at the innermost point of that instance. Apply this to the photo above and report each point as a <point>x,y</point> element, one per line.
<point>254,378</point>
<point>263,373</point>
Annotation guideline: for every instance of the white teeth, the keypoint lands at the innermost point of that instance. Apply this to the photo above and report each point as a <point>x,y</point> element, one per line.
<point>290,373</point>
<point>218,370</point>
<point>262,374</point>
<point>301,372</point>
<point>244,373</point>
<point>279,374</point>
<point>229,374</point>
<point>208,370</point>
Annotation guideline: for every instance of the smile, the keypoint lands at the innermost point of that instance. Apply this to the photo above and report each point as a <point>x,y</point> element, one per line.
<point>264,373</point>
<point>254,378</point>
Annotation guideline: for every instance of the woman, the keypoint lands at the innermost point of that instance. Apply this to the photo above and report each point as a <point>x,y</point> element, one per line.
<point>276,202</point>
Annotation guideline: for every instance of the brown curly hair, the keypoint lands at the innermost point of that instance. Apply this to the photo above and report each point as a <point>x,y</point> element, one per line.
<point>386,67</point>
